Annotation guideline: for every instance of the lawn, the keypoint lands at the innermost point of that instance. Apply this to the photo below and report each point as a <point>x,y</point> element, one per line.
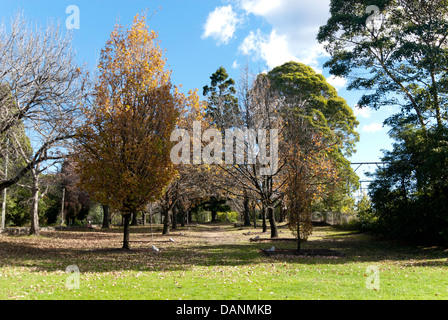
<point>215,261</point>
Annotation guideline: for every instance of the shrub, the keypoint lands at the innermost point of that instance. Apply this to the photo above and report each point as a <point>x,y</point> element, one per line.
<point>229,216</point>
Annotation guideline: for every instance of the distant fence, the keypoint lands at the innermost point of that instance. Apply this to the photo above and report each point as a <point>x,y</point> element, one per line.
<point>20,231</point>
<point>333,218</point>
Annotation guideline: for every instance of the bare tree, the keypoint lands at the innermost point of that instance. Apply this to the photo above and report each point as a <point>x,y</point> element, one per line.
<point>45,89</point>
<point>258,110</point>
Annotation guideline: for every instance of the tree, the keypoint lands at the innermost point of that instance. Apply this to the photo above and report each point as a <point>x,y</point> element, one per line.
<point>106,216</point>
<point>194,181</point>
<point>123,150</point>
<point>318,133</point>
<point>215,205</point>
<point>404,48</point>
<point>77,202</point>
<point>310,171</point>
<point>168,202</point>
<point>222,104</point>
<point>305,93</point>
<point>253,131</point>
<point>10,162</point>
<point>273,104</point>
<point>409,194</point>
<point>17,206</point>
<point>44,87</point>
<point>398,56</point>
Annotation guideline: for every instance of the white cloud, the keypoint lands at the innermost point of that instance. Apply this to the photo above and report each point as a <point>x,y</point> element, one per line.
<point>221,24</point>
<point>235,65</point>
<point>273,49</point>
<point>259,7</point>
<point>294,23</point>
<point>373,127</point>
<point>293,28</point>
<point>337,82</point>
<point>251,43</point>
<point>365,112</point>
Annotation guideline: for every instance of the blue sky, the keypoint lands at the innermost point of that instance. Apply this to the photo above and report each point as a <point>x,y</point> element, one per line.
<point>201,35</point>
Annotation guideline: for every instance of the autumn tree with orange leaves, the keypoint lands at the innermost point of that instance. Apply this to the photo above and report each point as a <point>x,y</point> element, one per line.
<point>310,172</point>
<point>123,150</point>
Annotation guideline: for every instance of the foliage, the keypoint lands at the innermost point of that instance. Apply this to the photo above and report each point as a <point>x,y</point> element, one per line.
<point>77,202</point>
<point>318,132</point>
<point>337,201</point>
<point>404,50</point>
<point>215,205</point>
<point>366,219</point>
<point>308,94</point>
<point>17,206</point>
<point>410,194</point>
<point>17,198</point>
<point>221,101</point>
<point>123,151</point>
<point>41,88</point>
<point>398,57</point>
<point>311,175</point>
<point>199,214</point>
<point>95,213</point>
<point>228,216</point>
<point>51,206</point>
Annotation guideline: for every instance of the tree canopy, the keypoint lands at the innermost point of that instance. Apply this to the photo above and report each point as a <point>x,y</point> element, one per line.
<point>123,150</point>
<point>396,51</point>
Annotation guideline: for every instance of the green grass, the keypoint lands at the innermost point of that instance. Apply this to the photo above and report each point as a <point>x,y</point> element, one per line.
<point>215,262</point>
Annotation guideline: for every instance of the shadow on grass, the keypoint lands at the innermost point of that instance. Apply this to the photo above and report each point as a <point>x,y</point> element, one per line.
<point>102,251</point>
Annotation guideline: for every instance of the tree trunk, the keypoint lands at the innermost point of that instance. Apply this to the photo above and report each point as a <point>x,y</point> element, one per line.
<point>263,212</point>
<point>134,219</point>
<point>246,211</point>
<point>189,216</point>
<point>2,226</point>
<point>34,230</point>
<point>271,217</point>
<point>183,217</point>
<point>127,218</point>
<point>62,208</point>
<point>166,221</point>
<point>174,210</point>
<point>106,216</point>
<point>143,218</point>
<point>254,209</point>
<point>214,216</point>
<point>282,213</point>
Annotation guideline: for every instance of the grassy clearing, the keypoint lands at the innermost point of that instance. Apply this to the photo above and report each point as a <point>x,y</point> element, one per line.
<point>215,262</point>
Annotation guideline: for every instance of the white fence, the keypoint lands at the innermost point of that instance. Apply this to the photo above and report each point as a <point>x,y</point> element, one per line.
<point>333,218</point>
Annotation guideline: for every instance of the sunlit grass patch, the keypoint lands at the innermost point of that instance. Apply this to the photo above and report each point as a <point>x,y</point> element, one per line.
<point>215,261</point>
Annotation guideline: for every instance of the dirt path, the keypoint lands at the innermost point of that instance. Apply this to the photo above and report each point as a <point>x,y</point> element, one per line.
<point>217,235</point>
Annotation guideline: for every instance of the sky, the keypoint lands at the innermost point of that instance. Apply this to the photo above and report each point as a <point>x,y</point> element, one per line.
<point>199,36</point>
